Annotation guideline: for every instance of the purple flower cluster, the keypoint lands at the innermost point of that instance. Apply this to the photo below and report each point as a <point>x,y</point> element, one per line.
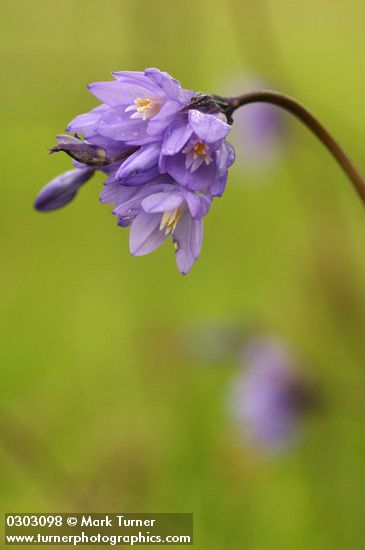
<point>164,152</point>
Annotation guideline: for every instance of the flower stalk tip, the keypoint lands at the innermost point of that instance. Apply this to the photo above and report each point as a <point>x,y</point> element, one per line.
<point>298,110</point>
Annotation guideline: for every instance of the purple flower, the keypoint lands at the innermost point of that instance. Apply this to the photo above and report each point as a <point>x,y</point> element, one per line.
<point>136,108</point>
<point>164,151</point>
<point>157,211</point>
<point>269,397</point>
<point>62,189</point>
<point>194,151</point>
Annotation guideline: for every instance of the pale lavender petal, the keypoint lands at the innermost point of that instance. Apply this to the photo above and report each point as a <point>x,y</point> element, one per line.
<point>217,188</point>
<point>198,205</point>
<point>137,75</point>
<point>169,85</point>
<point>225,156</point>
<point>162,119</point>
<point>145,235</point>
<point>88,121</point>
<point>162,202</point>
<point>176,137</point>
<point>197,181</point>
<point>143,159</point>
<point>139,178</point>
<point>136,197</point>
<point>168,108</point>
<point>188,238</point>
<point>138,84</point>
<point>115,193</point>
<point>112,93</point>
<point>196,164</point>
<point>117,124</point>
<point>156,127</point>
<point>207,127</point>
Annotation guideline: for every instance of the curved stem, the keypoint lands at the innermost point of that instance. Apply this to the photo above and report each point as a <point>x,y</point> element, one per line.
<point>299,111</point>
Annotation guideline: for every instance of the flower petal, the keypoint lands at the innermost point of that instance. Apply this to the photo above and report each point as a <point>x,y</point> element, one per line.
<point>162,202</point>
<point>198,205</point>
<point>138,84</point>
<point>145,235</point>
<point>88,121</point>
<point>207,127</point>
<point>168,108</point>
<point>112,93</point>
<point>140,178</point>
<point>163,80</point>
<point>144,159</point>
<point>218,187</point>
<point>118,125</point>
<point>136,196</point>
<point>199,180</point>
<point>163,118</point>
<point>225,156</point>
<point>137,75</point>
<point>115,193</point>
<point>188,237</point>
<point>176,137</point>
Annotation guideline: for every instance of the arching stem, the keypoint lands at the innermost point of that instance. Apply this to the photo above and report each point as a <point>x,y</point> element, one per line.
<point>299,111</point>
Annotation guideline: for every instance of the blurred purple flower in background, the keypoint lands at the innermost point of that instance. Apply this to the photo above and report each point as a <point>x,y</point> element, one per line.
<point>164,151</point>
<point>270,396</point>
<point>259,130</point>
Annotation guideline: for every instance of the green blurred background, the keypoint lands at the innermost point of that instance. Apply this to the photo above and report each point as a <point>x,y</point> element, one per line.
<point>100,409</point>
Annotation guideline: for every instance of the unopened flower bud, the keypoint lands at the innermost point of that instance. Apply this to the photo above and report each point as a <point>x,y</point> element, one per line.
<point>62,189</point>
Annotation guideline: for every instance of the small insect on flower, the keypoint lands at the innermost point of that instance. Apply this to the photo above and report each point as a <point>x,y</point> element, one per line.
<point>164,151</point>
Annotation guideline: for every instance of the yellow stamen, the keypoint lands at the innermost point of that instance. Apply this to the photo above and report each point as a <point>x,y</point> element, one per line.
<point>142,104</point>
<point>169,219</point>
<point>199,150</point>
<point>144,107</point>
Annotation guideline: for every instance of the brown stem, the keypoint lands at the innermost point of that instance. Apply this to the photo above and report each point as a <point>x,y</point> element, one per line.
<point>299,111</point>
